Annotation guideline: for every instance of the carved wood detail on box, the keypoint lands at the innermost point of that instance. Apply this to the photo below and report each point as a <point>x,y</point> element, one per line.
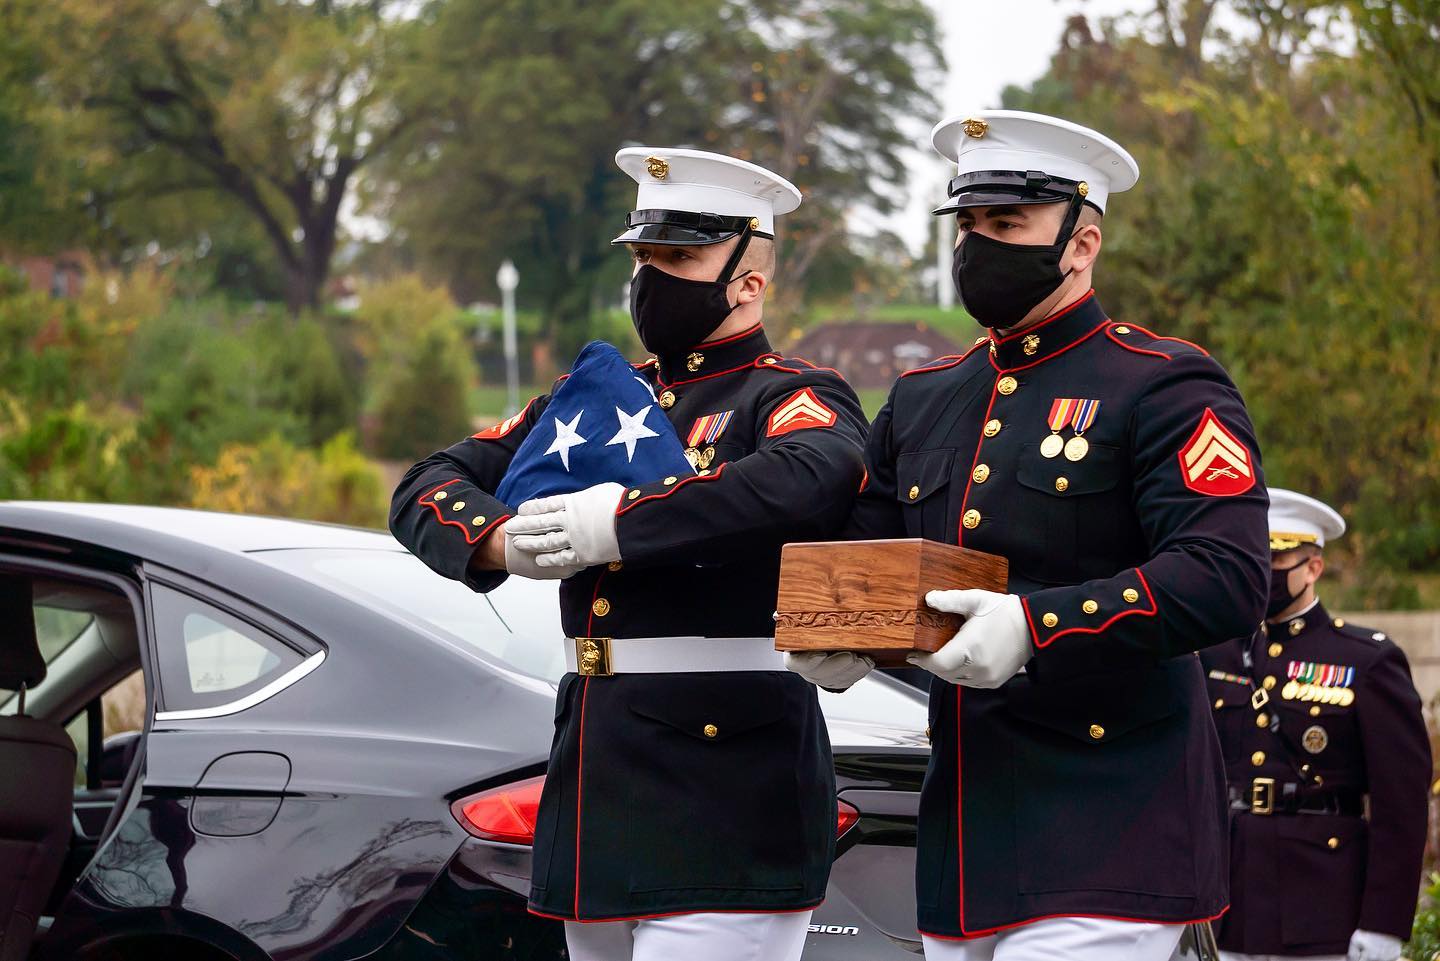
<point>869,596</point>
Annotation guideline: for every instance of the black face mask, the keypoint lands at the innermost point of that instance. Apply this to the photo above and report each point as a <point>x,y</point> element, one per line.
<point>673,314</point>
<point>999,283</point>
<point>1280,596</point>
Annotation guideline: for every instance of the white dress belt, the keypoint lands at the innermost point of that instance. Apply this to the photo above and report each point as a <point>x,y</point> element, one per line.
<point>603,656</point>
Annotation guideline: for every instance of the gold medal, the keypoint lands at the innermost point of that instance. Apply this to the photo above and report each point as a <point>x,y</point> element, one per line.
<point>1076,448</point>
<point>693,456</point>
<point>1347,698</point>
<point>1291,688</point>
<point>1051,446</point>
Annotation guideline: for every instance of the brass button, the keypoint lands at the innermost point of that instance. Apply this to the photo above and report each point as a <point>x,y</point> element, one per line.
<point>694,361</point>
<point>1275,650</point>
<point>771,360</point>
<point>711,730</point>
<point>981,473</point>
<point>478,521</point>
<point>705,473</point>
<point>1131,595</point>
<point>670,480</point>
<point>1262,720</point>
<point>601,607</point>
<point>667,399</point>
<point>1339,622</point>
<point>1062,484</point>
<point>927,733</point>
<point>1096,731</point>
<point>971,520</point>
<point>1049,620</point>
<point>1258,758</point>
<point>1315,710</point>
<point>914,492</point>
<point>614,566</point>
<point>1089,607</point>
<point>1332,843</point>
<point>441,495</point>
<point>1007,385</point>
<point>1269,682</point>
<point>458,506</point>
<point>992,427</point>
<point>1219,702</point>
<point>1122,330</point>
<point>1296,626</point>
<point>1319,780</point>
<point>632,495</point>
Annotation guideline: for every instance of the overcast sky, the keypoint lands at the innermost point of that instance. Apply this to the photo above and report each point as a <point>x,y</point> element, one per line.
<point>988,46</point>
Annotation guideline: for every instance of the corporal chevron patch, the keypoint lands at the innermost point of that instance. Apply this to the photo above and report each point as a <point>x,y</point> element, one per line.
<point>1214,461</point>
<point>800,410</point>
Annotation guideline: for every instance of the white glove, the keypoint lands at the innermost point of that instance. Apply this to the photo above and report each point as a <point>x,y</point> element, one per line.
<point>570,530</point>
<point>526,565</point>
<point>990,647</point>
<point>1372,946</point>
<point>836,670</point>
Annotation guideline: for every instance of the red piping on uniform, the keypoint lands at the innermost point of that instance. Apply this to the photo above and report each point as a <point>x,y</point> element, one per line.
<point>1034,363</point>
<point>970,481</point>
<point>959,808</point>
<point>864,479</point>
<point>672,914</point>
<point>734,337</point>
<point>718,373</point>
<point>1051,917</point>
<point>1024,331</point>
<point>1154,609</point>
<point>580,778</point>
<point>1182,340</point>
<point>672,489</point>
<point>1110,332</point>
<point>464,528</point>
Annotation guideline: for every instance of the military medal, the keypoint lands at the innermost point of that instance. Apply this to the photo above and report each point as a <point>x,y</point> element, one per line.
<point>1315,739</point>
<point>1060,411</point>
<point>1085,413</point>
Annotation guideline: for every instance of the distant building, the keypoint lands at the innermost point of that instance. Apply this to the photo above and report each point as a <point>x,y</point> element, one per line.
<point>872,354</point>
<point>59,276</point>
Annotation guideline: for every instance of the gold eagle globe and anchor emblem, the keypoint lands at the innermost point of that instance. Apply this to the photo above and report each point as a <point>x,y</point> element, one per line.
<point>657,167</point>
<point>974,127</point>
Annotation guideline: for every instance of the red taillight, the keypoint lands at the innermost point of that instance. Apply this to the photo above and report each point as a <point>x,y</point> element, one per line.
<point>508,813</point>
<point>503,813</point>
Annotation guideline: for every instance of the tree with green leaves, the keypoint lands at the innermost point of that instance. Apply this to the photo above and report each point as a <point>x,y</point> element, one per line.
<point>263,109</point>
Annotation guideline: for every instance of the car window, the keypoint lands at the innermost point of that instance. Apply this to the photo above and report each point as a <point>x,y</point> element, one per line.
<point>56,627</point>
<point>524,636</point>
<point>208,657</point>
<point>122,708</point>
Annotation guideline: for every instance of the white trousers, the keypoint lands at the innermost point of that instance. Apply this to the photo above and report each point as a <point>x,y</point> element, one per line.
<point>691,937</point>
<point>1236,956</point>
<point>1073,939</point>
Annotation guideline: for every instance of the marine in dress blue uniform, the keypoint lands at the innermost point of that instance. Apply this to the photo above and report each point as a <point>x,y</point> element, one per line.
<point>1329,761</point>
<point>1075,801</point>
<point>690,797</point>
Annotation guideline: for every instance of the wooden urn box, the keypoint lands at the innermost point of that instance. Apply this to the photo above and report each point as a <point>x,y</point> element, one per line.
<point>869,596</point>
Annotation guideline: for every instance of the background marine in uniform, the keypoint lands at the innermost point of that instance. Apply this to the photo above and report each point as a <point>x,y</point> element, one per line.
<point>1328,760</point>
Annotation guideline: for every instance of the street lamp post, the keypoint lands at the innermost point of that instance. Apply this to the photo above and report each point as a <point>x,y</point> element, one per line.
<point>508,278</point>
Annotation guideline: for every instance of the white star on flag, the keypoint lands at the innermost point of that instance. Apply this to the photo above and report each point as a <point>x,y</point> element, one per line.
<point>632,429</point>
<point>566,437</point>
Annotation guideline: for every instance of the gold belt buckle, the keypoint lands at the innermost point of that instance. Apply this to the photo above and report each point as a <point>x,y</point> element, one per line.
<point>592,657</point>
<point>1262,795</point>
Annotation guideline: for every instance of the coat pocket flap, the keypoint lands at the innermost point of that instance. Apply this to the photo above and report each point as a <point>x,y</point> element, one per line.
<point>919,474</point>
